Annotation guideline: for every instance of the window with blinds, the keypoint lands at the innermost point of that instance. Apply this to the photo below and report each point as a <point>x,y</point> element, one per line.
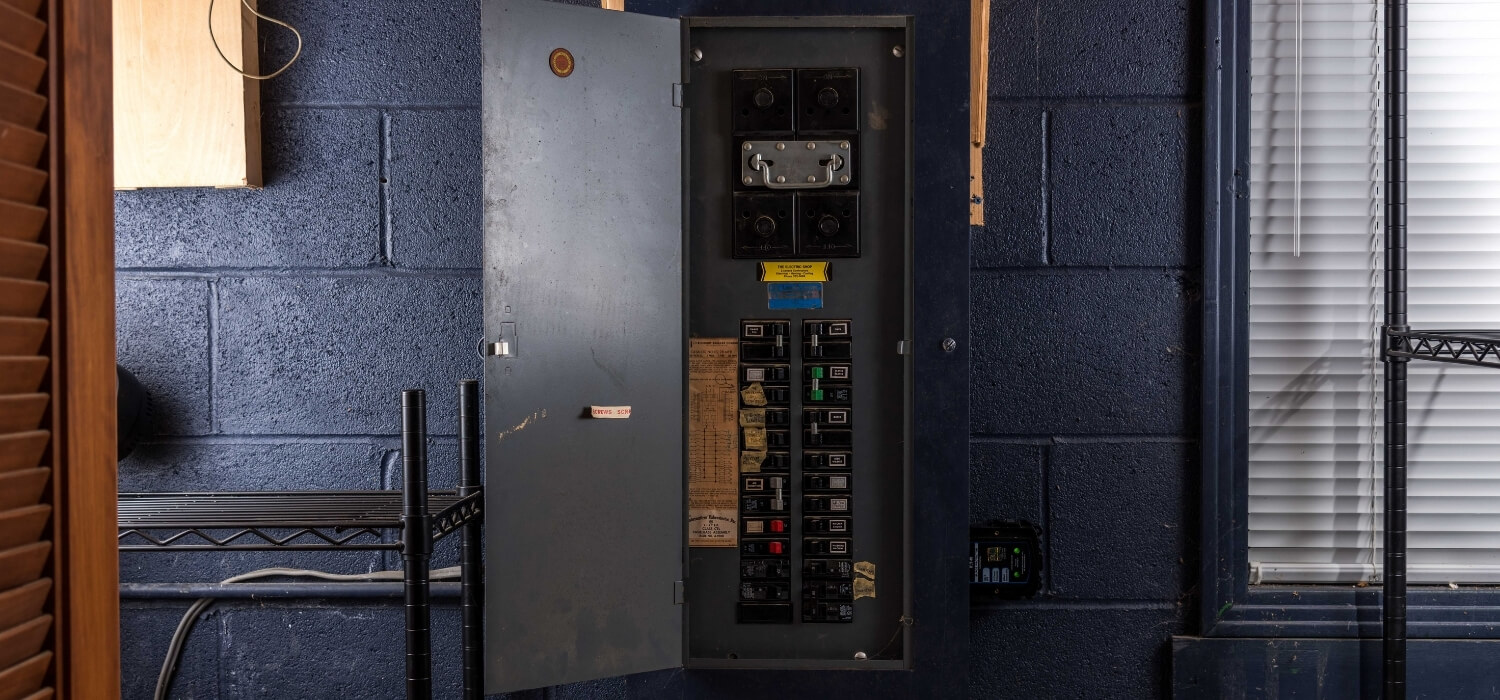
<point>1315,289</point>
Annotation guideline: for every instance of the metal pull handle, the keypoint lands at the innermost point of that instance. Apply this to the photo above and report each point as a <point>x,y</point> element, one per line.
<point>830,166</point>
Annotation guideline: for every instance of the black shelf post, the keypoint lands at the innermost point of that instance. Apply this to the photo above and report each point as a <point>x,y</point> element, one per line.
<point>1393,626</point>
<point>471,600</point>
<point>416,544</point>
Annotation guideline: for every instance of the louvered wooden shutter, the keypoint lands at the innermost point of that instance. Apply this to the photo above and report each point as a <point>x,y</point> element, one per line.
<point>25,589</point>
<point>59,614</point>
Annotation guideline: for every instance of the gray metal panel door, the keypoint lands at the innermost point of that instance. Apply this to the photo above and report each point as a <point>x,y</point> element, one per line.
<point>583,278</point>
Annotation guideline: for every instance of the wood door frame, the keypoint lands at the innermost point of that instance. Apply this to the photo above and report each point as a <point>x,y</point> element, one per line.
<point>85,560</point>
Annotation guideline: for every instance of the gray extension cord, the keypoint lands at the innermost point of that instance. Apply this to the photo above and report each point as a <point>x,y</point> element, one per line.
<point>179,637</point>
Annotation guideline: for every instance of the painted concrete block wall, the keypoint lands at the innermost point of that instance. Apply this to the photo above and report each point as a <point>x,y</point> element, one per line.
<point>276,328</point>
<point>1085,338</point>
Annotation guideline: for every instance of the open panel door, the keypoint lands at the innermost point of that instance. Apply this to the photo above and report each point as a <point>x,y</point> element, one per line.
<point>582,308</point>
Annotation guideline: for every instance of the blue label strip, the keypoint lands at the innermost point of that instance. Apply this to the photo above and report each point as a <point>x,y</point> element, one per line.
<point>794,295</point>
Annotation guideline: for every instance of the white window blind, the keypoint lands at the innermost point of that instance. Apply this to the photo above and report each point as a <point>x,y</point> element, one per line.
<point>1315,375</point>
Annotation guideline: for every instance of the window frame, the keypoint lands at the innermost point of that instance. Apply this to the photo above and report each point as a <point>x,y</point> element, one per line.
<point>1229,606</point>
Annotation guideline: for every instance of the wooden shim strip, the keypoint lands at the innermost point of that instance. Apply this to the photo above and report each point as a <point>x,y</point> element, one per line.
<point>979,100</point>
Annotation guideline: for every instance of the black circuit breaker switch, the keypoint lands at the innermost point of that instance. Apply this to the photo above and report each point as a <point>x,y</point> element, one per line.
<point>827,504</point>
<point>770,590</point>
<point>825,526</point>
<point>828,417</point>
<point>818,481</point>
<point>1005,561</point>
<point>817,461</point>
<point>826,547</point>
<point>762,341</point>
<point>769,568</point>
<point>759,527</point>
<point>827,569</point>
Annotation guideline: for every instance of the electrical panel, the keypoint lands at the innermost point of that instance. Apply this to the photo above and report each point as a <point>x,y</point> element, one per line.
<point>698,343</point>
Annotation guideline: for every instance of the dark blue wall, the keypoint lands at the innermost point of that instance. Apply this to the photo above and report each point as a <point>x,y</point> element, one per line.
<point>277,326</point>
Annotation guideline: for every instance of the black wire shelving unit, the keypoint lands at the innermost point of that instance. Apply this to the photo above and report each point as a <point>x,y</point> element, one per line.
<point>408,521</point>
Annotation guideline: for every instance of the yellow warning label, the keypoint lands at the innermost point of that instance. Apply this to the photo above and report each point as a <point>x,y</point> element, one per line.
<point>794,272</point>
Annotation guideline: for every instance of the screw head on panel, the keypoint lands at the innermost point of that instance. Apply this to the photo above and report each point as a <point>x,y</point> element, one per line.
<point>812,178</point>
<point>844,145</point>
<point>781,178</point>
<point>747,146</point>
<point>748,180</point>
<point>811,146</point>
<point>781,147</point>
<point>859,656</point>
<point>844,179</point>
<point>949,345</point>
<point>898,51</point>
<point>697,55</point>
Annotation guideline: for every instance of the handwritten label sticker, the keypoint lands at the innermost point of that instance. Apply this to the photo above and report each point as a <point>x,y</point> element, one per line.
<point>609,411</point>
<point>753,395</point>
<point>751,460</point>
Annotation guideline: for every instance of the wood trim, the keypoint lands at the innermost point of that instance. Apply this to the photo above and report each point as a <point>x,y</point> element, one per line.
<point>979,100</point>
<point>86,563</point>
<point>21,374</point>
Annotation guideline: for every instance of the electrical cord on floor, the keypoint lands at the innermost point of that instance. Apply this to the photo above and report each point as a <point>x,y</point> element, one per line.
<point>179,637</point>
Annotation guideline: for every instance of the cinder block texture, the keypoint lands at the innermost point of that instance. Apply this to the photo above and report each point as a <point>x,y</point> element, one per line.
<point>349,650</point>
<point>385,53</point>
<point>320,206</point>
<point>1067,352</point>
<point>435,179</point>
<point>146,630</point>
<point>331,355</point>
<point>1005,482</point>
<point>1123,187</point>
<point>1014,189</point>
<point>161,326</point>
<point>1041,652</point>
<point>1057,48</point>
<point>1121,520</point>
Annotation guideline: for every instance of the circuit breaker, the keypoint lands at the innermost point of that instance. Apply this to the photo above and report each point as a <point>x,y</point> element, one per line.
<point>697,298</point>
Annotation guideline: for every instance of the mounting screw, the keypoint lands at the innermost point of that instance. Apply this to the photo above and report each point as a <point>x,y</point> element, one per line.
<point>859,656</point>
<point>781,178</point>
<point>747,146</point>
<point>844,145</point>
<point>697,55</point>
<point>949,345</point>
<point>844,179</point>
<point>748,180</point>
<point>898,51</point>
<point>811,146</point>
<point>781,147</point>
<point>812,178</point>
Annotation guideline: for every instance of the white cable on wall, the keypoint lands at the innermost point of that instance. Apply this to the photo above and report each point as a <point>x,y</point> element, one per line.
<point>185,625</point>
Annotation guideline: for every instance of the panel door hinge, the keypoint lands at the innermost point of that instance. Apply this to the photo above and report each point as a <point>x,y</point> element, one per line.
<point>677,94</point>
<point>679,593</point>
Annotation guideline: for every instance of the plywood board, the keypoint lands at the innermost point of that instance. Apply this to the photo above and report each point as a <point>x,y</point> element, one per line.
<point>182,117</point>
